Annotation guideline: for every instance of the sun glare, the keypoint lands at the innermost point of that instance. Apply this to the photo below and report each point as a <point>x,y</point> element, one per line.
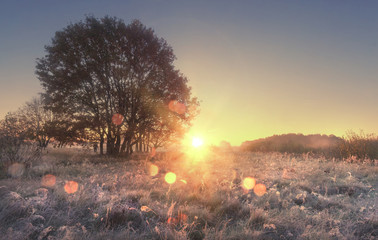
<point>197,142</point>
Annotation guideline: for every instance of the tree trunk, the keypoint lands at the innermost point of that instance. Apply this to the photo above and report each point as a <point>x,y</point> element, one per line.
<point>123,146</point>
<point>110,146</point>
<point>102,145</point>
<point>117,144</point>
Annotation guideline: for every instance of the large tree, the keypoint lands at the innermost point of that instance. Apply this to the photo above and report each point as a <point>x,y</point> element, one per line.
<point>97,68</point>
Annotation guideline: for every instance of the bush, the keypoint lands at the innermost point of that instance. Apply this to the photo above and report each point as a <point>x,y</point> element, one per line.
<point>15,150</point>
<point>359,146</point>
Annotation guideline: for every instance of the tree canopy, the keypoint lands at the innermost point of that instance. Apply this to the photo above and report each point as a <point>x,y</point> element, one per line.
<point>118,82</point>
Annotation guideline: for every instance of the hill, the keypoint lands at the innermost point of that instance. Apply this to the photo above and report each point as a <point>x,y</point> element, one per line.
<point>292,143</point>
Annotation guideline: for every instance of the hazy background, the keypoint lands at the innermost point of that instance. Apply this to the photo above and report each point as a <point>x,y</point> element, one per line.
<point>259,67</point>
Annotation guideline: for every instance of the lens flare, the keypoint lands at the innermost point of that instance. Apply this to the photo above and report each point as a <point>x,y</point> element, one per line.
<point>48,180</point>
<point>197,142</point>
<point>249,183</point>
<point>259,189</point>
<point>176,106</point>
<point>170,177</point>
<point>117,119</point>
<point>71,187</point>
<point>154,170</point>
<point>16,170</point>
<point>183,181</point>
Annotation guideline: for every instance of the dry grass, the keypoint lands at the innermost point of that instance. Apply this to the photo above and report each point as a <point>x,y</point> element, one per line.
<point>306,198</point>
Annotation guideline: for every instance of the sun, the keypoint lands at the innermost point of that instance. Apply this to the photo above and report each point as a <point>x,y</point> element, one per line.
<point>197,142</point>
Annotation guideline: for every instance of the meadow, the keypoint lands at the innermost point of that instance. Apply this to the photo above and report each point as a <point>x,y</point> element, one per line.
<point>225,194</point>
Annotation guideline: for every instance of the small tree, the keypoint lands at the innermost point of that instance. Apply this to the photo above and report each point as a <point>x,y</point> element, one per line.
<point>37,121</point>
<point>14,146</point>
<point>12,136</point>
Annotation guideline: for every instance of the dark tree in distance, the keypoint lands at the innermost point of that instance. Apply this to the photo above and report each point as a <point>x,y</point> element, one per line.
<point>37,121</point>
<point>99,67</point>
<point>31,122</point>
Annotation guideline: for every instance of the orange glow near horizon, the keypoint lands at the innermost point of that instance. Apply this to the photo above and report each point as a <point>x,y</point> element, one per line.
<point>265,103</point>
<point>254,77</point>
<point>194,147</point>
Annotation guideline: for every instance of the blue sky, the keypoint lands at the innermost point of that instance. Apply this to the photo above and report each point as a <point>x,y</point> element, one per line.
<point>259,67</point>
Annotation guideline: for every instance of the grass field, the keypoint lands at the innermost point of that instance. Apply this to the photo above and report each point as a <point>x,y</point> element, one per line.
<point>305,198</point>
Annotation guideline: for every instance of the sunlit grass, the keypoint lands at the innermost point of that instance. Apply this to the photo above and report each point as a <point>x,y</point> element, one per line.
<point>228,195</point>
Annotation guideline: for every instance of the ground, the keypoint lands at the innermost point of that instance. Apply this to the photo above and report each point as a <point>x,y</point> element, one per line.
<point>306,197</point>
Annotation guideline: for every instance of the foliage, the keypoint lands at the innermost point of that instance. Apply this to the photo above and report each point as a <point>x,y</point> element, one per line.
<point>100,67</point>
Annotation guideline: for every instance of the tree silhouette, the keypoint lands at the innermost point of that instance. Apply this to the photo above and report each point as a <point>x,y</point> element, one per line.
<point>97,68</point>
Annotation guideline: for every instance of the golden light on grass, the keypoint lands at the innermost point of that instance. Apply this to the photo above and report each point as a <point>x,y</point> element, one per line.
<point>145,209</point>
<point>172,221</point>
<point>259,189</point>
<point>170,177</point>
<point>180,219</point>
<point>154,170</point>
<point>71,187</point>
<point>197,142</point>
<point>248,183</point>
<point>48,180</point>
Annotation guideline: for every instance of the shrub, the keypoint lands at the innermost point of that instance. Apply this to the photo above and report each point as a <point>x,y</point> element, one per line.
<point>359,146</point>
<point>15,150</point>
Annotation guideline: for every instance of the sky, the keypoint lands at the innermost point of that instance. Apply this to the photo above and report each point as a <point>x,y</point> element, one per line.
<point>259,68</point>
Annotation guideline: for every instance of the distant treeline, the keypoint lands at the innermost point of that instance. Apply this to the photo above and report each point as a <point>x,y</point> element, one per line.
<point>292,143</point>
<point>360,145</point>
